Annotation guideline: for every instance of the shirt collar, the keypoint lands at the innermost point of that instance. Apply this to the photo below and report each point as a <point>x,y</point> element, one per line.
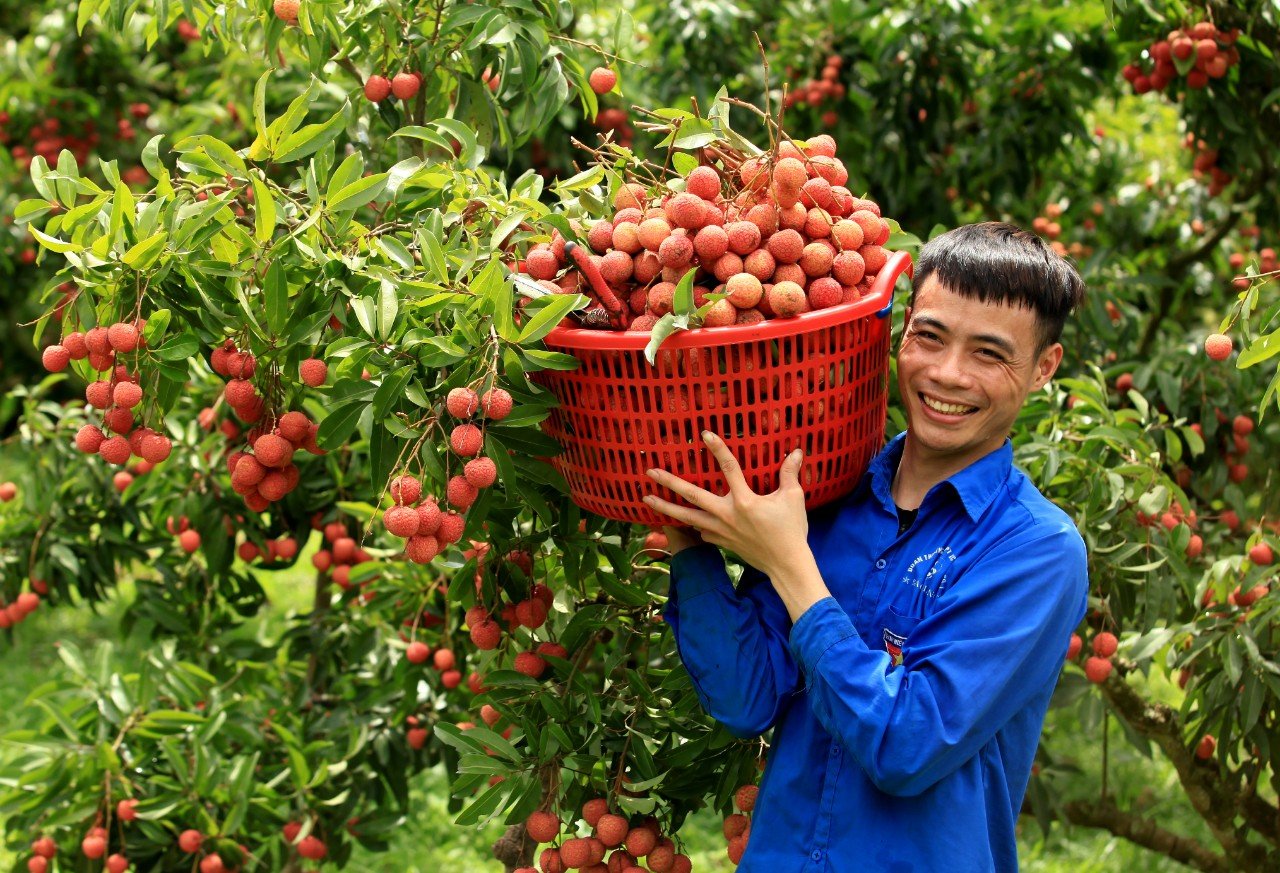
<point>976,485</point>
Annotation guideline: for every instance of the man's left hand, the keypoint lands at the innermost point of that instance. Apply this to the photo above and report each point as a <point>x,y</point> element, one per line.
<point>768,531</point>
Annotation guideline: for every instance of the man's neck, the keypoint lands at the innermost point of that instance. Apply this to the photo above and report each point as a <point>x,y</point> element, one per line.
<point>918,471</point>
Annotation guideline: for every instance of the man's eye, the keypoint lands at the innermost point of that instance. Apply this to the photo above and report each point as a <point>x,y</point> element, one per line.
<point>991,353</point>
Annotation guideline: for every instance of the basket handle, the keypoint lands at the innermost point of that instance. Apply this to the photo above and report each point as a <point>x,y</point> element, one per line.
<point>886,279</point>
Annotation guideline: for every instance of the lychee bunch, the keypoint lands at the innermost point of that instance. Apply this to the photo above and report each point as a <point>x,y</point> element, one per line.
<point>342,553</point>
<point>615,842</point>
<point>816,91</point>
<point>1205,165</point>
<point>267,473</point>
<point>419,520</point>
<point>737,826</point>
<point>1197,53</point>
<point>15,613</point>
<point>779,234</point>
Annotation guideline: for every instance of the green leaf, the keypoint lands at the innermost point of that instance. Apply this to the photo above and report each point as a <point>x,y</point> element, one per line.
<point>388,308</point>
<point>179,347</point>
<point>1261,349</point>
<point>667,325</point>
<point>339,424</point>
<point>147,252</point>
<point>156,324</point>
<point>491,286</point>
<point>276,288</point>
<point>220,155</point>
<point>358,193</point>
<point>547,317</point>
<point>348,171</point>
<point>433,257</point>
<point>311,138</point>
<point>52,243</point>
<point>391,390</point>
<point>264,219</point>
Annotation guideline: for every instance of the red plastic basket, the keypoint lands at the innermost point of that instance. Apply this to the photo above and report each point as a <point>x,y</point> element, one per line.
<point>818,381</point>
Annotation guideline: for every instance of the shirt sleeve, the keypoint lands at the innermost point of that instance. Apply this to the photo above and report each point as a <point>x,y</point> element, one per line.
<point>733,643</point>
<point>996,639</point>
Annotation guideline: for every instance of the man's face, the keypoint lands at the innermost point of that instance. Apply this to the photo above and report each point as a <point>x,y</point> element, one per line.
<point>964,370</point>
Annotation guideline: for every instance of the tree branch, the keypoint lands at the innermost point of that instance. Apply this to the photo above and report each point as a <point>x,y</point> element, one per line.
<point>1213,797</point>
<point>1105,815</point>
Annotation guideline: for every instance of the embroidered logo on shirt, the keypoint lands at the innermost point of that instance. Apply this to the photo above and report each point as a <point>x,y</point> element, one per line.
<point>928,572</point>
<point>893,645</point>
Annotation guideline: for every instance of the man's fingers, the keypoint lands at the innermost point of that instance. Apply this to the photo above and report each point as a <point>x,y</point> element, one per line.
<point>692,517</point>
<point>690,492</point>
<point>789,474</point>
<point>728,464</point>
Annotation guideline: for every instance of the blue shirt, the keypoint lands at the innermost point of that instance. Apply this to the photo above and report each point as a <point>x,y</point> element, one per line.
<point>907,706</point>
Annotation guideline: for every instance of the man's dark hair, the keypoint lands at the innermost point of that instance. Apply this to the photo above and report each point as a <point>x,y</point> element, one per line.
<point>1001,263</point>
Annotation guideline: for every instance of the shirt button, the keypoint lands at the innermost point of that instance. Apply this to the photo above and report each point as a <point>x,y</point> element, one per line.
<point>835,751</point>
<point>880,564</point>
<point>817,855</point>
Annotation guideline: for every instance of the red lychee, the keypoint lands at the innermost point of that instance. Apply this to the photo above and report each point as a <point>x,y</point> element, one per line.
<point>496,404</point>
<point>1105,644</point>
<point>314,372</point>
<point>462,402</point>
<point>602,80</point>
<point>55,358</point>
<point>405,86</point>
<point>1217,346</point>
<point>401,521</point>
<point>466,440</point>
<point>481,472</point>
<point>377,88</point>
<point>1097,669</point>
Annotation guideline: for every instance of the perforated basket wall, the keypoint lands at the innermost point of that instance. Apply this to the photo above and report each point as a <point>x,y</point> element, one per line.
<point>818,381</point>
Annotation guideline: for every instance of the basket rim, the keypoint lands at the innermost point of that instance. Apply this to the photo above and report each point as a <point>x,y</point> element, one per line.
<point>876,302</point>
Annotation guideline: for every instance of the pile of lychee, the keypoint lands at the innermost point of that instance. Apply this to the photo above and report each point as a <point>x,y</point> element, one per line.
<point>779,234</point>
<point>1199,53</point>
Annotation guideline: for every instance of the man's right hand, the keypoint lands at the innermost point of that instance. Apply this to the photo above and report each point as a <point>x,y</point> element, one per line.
<point>681,538</point>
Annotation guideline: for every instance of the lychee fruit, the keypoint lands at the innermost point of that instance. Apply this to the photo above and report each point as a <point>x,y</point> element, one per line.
<point>496,404</point>
<point>1097,669</point>
<point>466,440</point>
<point>462,402</point>
<point>273,450</point>
<point>530,664</point>
<point>460,493</point>
<point>314,372</point>
<point>189,540</point>
<point>602,80</point>
<point>377,88</point>
<point>704,182</point>
<point>422,549</point>
<point>1105,644</point>
<point>123,337</point>
<point>486,635</point>
<point>286,10</point>
<point>542,827</point>
<point>405,489</point>
<point>417,652</point>
<point>786,246</point>
<point>89,438</point>
<point>1261,555</point>
<point>405,86</point>
<point>1217,346</point>
<point>786,299</point>
<point>55,358</point>
<point>401,521</point>
<point>481,472</point>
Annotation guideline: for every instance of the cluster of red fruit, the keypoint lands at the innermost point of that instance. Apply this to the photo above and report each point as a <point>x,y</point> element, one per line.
<point>826,87</point>
<point>403,85</point>
<point>615,846</point>
<point>1266,264</point>
<point>423,525</point>
<point>779,237</point>
<point>530,613</point>
<point>337,560</point>
<point>1205,164</point>
<point>117,397</point>
<point>47,139</point>
<point>1200,53</point>
<point>1098,666</point>
<point>268,474</point>
<point>737,827</point>
<point>310,847</point>
<point>15,613</point>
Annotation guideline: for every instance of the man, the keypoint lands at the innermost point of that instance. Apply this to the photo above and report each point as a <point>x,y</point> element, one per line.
<point>905,640</point>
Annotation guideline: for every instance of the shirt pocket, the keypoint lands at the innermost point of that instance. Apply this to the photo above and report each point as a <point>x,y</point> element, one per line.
<point>895,631</point>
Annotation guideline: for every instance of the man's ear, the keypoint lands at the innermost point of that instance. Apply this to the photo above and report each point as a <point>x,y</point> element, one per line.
<point>1047,365</point>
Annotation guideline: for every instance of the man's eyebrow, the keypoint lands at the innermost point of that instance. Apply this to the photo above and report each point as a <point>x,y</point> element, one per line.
<point>986,338</point>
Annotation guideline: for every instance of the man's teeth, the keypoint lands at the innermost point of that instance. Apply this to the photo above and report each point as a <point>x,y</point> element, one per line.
<point>947,408</point>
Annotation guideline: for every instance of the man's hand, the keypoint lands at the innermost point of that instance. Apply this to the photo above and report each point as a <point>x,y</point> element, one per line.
<point>681,538</point>
<point>768,531</point>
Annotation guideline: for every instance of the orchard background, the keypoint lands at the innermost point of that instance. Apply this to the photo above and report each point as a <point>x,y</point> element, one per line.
<point>198,680</point>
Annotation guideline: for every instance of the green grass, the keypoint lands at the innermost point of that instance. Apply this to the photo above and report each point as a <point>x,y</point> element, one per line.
<point>430,841</point>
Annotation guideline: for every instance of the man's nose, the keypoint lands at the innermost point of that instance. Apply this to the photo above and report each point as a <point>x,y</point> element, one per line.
<point>951,367</point>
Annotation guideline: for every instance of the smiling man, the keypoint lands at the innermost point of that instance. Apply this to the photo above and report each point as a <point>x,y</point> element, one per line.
<point>904,641</point>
